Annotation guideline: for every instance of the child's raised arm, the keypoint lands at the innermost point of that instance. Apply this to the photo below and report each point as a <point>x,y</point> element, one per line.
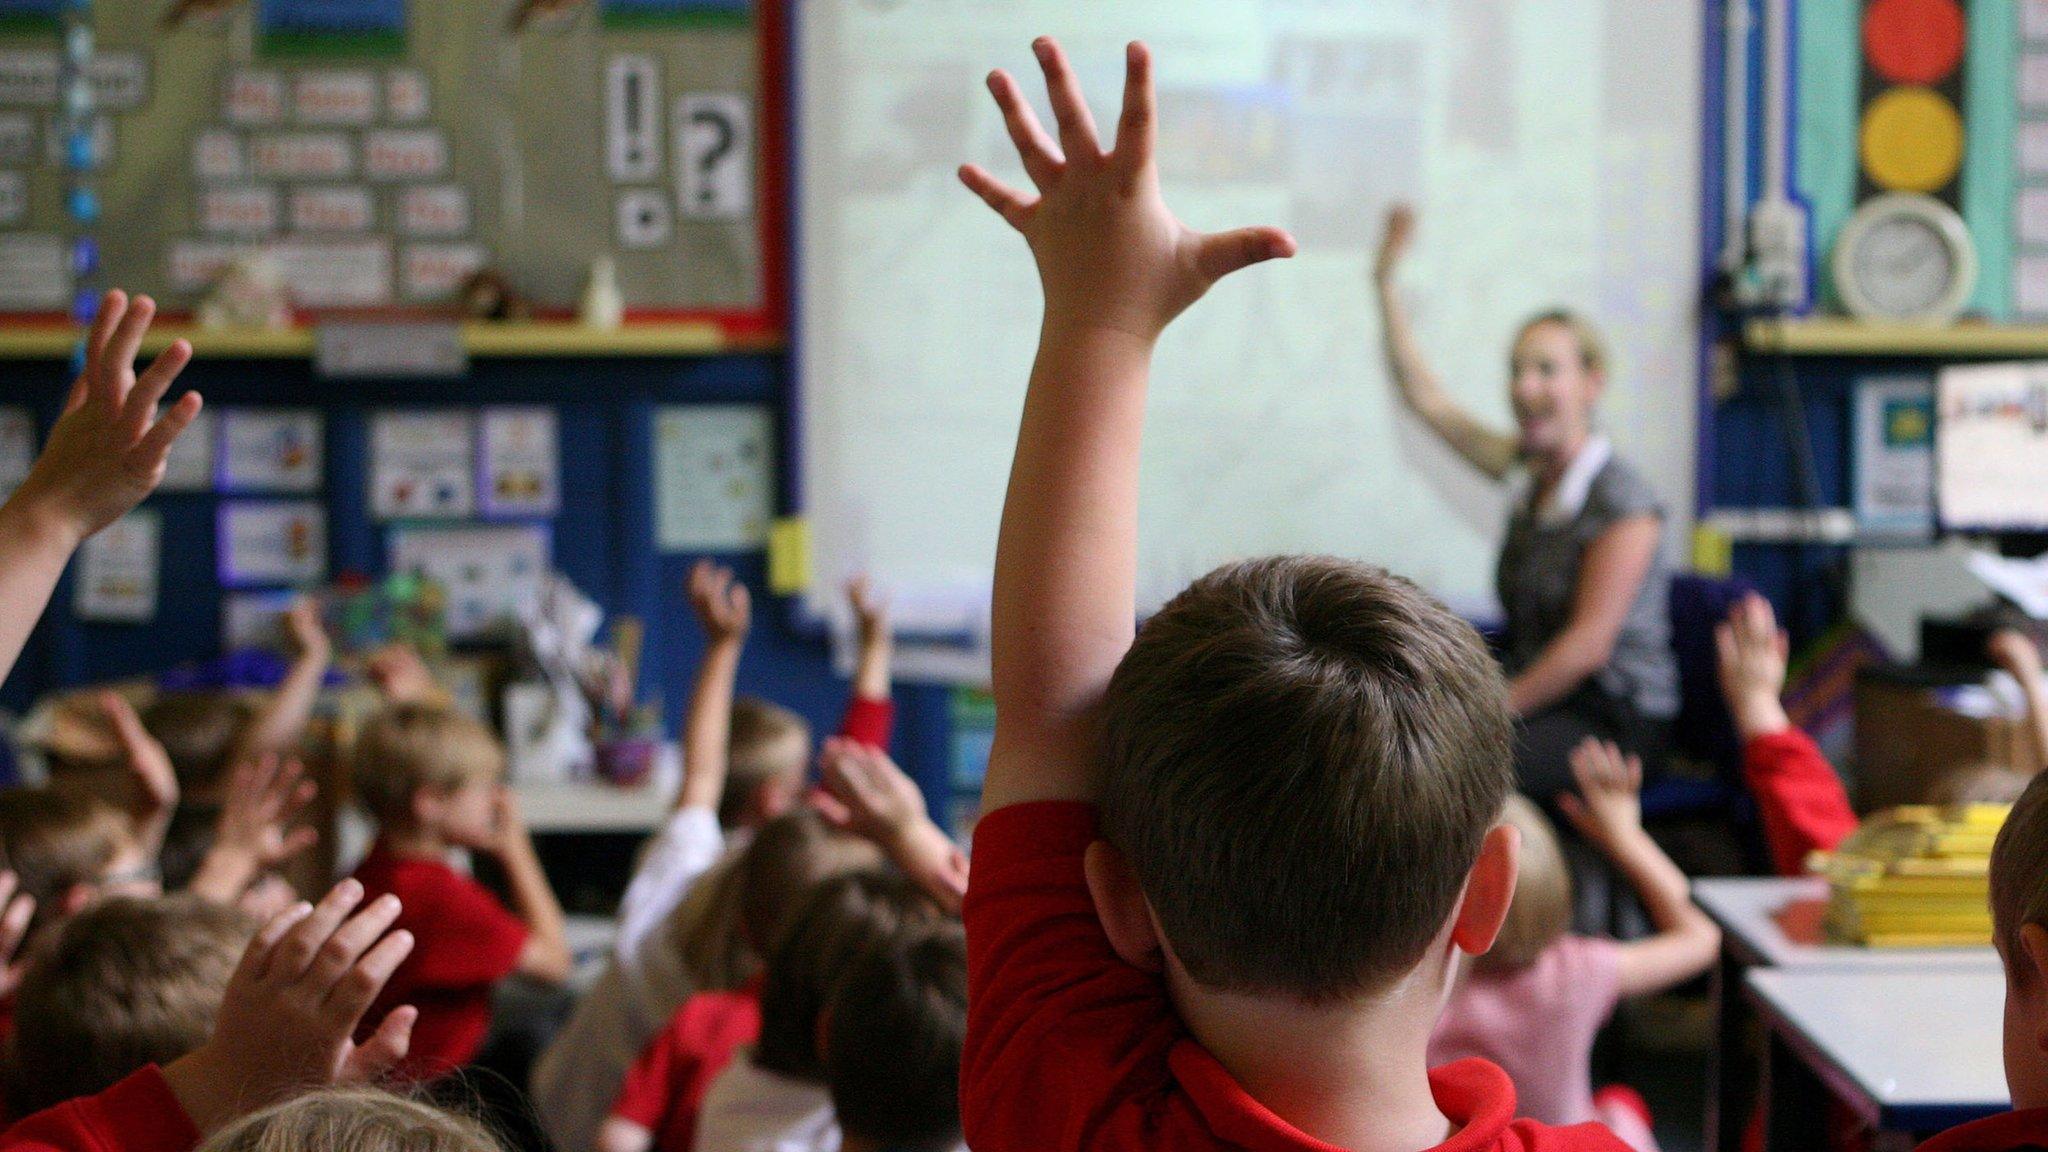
<point>281,724</point>
<point>725,611</point>
<point>1608,812</point>
<point>105,454</point>
<point>1116,268</point>
<point>884,805</point>
<point>877,642</point>
<point>254,833</point>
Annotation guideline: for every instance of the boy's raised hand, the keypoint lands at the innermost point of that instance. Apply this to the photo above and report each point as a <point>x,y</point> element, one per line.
<point>723,606</point>
<point>2011,650</point>
<point>1609,805</point>
<point>254,832</point>
<point>1110,254</point>
<point>289,1015</point>
<point>107,450</point>
<point>17,908</point>
<point>1752,654</point>
<point>876,800</point>
<point>149,766</point>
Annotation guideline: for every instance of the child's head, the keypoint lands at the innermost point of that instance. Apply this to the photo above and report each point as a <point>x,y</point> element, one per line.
<point>768,751</point>
<point>1303,759</point>
<point>1542,908</point>
<point>893,1033</point>
<point>1978,784</point>
<point>428,767</point>
<point>198,731</point>
<point>2019,927</point>
<point>735,916</point>
<point>67,848</point>
<point>126,983</point>
<point>352,1120</point>
<point>844,919</point>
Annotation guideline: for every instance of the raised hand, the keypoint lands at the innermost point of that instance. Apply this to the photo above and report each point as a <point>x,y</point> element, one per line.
<point>870,611</point>
<point>2011,650</point>
<point>254,832</point>
<point>722,604</point>
<point>304,628</point>
<point>107,450</point>
<point>1395,241</point>
<point>1110,254</point>
<point>868,795</point>
<point>400,675</point>
<point>1752,654</point>
<point>17,908</point>
<point>149,767</point>
<point>1609,805</point>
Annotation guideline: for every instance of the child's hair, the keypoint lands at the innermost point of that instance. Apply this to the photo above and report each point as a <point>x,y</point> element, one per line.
<point>767,742</point>
<point>2019,871</point>
<point>409,747</point>
<point>1302,755</point>
<point>1542,909</point>
<point>735,915</point>
<point>199,731</point>
<point>843,920</point>
<point>124,984</point>
<point>1978,784</point>
<point>892,1042</point>
<point>1592,348</point>
<point>352,1120</point>
<point>55,838</point>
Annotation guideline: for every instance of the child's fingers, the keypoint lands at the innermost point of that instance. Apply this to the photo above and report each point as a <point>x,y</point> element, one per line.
<point>1782,643</point>
<point>1221,253</point>
<point>113,306</point>
<point>1574,810</point>
<point>351,997</point>
<point>741,601</point>
<point>384,1050</point>
<point>256,957</point>
<point>295,842</point>
<point>1078,139</point>
<point>125,343</point>
<point>296,952</point>
<point>1040,155</point>
<point>1635,773</point>
<point>140,407</point>
<point>1007,202</point>
<point>1725,648</point>
<point>1136,129</point>
<point>349,941</point>
<point>156,443</point>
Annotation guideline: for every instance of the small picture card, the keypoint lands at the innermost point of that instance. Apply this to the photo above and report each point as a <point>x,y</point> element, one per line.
<point>645,220</point>
<point>272,542</point>
<point>17,137</point>
<point>434,210</point>
<point>422,464</point>
<point>254,619</point>
<point>343,208</point>
<point>405,154</point>
<point>342,272</point>
<point>407,98</point>
<point>117,570</point>
<point>490,575</point>
<point>302,156</point>
<point>250,211</point>
<point>271,450</point>
<point>13,197</point>
<point>714,477</point>
<point>218,154</point>
<point>632,117</point>
<point>519,471</point>
<point>336,98</point>
<point>253,98</point>
<point>714,156</point>
<point>430,273</point>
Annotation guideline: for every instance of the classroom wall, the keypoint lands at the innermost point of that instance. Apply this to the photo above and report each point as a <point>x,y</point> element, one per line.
<point>603,537</point>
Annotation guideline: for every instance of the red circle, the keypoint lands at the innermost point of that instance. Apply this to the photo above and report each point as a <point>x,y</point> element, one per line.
<point>1914,41</point>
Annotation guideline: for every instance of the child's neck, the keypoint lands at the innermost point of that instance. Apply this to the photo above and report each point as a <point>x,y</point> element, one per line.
<point>1355,1074</point>
<point>414,840</point>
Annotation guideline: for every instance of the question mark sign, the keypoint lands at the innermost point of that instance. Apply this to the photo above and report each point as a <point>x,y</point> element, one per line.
<point>721,128</point>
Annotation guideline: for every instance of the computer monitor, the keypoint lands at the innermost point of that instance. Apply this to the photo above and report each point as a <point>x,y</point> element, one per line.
<point>1991,449</point>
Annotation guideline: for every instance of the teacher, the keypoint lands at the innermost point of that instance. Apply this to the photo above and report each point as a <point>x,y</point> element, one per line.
<point>1583,574</point>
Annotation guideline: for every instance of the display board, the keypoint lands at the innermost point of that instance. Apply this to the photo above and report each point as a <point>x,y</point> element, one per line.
<point>1552,150</point>
<point>382,151</point>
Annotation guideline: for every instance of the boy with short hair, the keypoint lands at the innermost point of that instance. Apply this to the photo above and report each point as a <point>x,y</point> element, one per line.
<point>433,779</point>
<point>68,848</point>
<point>1298,766</point>
<point>892,1044</point>
<point>126,983</point>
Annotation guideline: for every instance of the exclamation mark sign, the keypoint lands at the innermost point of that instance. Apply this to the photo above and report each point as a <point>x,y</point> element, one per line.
<point>632,118</point>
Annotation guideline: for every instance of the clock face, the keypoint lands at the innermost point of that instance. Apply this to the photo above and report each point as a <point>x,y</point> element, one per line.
<point>1904,266</point>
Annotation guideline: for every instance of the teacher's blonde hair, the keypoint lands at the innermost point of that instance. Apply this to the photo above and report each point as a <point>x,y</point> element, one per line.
<point>1592,347</point>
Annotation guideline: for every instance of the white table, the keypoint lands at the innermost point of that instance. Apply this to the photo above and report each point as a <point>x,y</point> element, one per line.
<point>1746,909</point>
<point>1911,1051</point>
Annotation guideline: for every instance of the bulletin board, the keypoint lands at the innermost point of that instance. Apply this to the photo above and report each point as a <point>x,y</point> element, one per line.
<point>382,150</point>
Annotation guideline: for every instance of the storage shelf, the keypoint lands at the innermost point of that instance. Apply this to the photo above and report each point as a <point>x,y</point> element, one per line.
<point>560,339</point>
<point>1840,336</point>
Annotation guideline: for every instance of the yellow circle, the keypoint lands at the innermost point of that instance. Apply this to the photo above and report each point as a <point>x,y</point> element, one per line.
<point>1912,140</point>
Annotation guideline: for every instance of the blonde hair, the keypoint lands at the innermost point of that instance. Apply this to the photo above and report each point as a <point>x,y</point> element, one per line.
<point>352,1120</point>
<point>124,984</point>
<point>1592,346</point>
<point>767,742</point>
<point>1541,912</point>
<point>408,747</point>
<point>55,838</point>
<point>2019,871</point>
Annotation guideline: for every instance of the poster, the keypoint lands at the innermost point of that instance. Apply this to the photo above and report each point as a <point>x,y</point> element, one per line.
<point>270,450</point>
<point>272,542</point>
<point>190,465</point>
<point>117,570</point>
<point>422,463</point>
<point>714,477</point>
<point>491,574</point>
<point>254,619</point>
<point>17,448</point>
<point>1894,461</point>
<point>520,462</point>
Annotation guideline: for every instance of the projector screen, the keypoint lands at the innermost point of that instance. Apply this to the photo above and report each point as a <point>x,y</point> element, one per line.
<point>1551,149</point>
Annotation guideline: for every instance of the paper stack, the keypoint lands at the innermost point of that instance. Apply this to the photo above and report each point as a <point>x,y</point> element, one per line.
<point>1914,877</point>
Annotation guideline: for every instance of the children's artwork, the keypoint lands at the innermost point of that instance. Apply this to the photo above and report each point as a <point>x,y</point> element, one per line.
<point>1895,455</point>
<point>270,450</point>
<point>190,465</point>
<point>489,575</point>
<point>254,619</point>
<point>272,542</point>
<point>17,448</point>
<point>519,471</point>
<point>714,477</point>
<point>117,570</point>
<point>422,463</point>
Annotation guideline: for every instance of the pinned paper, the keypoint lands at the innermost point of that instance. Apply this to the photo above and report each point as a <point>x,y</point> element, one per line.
<point>117,570</point>
<point>789,556</point>
<point>303,156</point>
<point>270,450</point>
<point>254,619</point>
<point>714,480</point>
<point>632,118</point>
<point>35,273</point>
<point>335,98</point>
<point>714,156</point>
<point>644,219</point>
<point>422,464</point>
<point>218,155</point>
<point>254,98</point>
<point>239,211</point>
<point>434,210</point>
<point>336,273</point>
<point>343,209</point>
<point>405,154</point>
<point>490,575</point>
<point>272,543</point>
<point>1713,550</point>
<point>28,76</point>
<point>435,272</point>
<point>407,98</point>
<point>17,137</point>
<point>520,462</point>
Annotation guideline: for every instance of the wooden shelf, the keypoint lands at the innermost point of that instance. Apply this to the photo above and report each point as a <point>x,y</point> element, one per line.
<point>1840,336</point>
<point>560,339</point>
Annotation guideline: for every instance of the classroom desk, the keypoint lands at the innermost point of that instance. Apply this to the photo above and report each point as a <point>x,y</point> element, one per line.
<point>1909,1051</point>
<point>1754,914</point>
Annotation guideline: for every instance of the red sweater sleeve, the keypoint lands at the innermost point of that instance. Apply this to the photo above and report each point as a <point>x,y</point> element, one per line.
<point>870,722</point>
<point>1800,799</point>
<point>137,1115</point>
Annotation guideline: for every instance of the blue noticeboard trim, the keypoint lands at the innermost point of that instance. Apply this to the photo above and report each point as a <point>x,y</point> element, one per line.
<point>342,16</point>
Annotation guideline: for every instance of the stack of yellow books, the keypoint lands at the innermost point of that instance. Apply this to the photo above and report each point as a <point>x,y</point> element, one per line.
<point>1914,877</point>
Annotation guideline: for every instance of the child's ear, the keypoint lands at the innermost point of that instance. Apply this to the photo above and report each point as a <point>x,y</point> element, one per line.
<point>1120,904</point>
<point>1488,891</point>
<point>425,807</point>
